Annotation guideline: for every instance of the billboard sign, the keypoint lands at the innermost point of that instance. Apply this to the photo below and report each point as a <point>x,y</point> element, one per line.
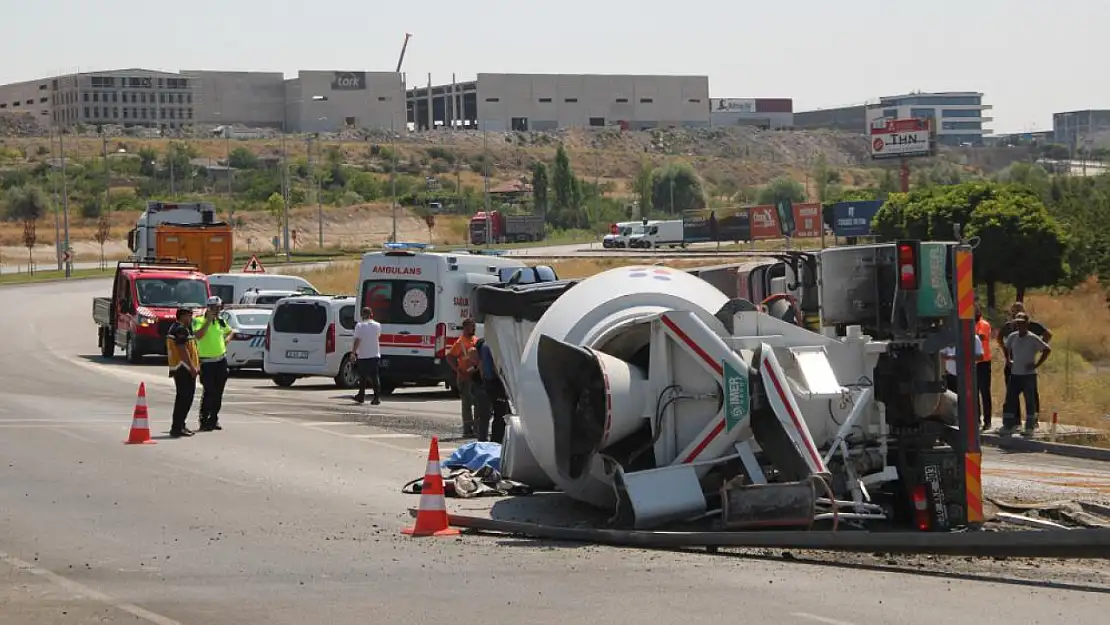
<point>716,225</point>
<point>853,219</point>
<point>764,222</point>
<point>348,81</point>
<point>901,138</point>
<point>807,220</point>
<point>731,105</point>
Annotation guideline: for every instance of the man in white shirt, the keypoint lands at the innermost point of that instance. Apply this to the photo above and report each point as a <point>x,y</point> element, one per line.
<point>948,356</point>
<point>367,352</point>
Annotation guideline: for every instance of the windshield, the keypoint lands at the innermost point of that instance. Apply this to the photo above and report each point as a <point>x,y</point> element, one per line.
<point>269,299</point>
<point>626,231</point>
<point>171,292</point>
<point>225,292</point>
<point>252,319</point>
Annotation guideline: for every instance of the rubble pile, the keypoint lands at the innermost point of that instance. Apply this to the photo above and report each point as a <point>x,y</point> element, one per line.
<point>19,125</point>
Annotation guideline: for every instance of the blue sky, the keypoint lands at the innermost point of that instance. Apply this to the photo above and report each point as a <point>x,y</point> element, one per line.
<point>820,53</point>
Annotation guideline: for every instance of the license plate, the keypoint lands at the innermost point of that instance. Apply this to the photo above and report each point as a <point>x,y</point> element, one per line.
<point>296,354</point>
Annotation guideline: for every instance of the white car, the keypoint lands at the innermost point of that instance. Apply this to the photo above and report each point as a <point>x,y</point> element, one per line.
<point>256,297</point>
<point>248,339</point>
<point>311,335</point>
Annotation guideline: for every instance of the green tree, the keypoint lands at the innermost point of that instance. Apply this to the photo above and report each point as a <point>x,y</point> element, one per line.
<point>25,203</point>
<point>242,158</point>
<point>568,193</point>
<point>821,176</point>
<point>148,162</point>
<point>782,188</point>
<point>539,187</point>
<point>642,186</point>
<point>1031,175</point>
<point>1020,243</point>
<point>676,188</point>
<point>275,204</point>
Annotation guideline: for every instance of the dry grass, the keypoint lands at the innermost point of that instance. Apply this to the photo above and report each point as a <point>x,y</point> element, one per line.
<point>1075,380</point>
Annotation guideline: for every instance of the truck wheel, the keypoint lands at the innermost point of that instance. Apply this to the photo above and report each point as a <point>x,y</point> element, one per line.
<point>348,374</point>
<point>284,380</point>
<point>134,356</point>
<point>107,343</point>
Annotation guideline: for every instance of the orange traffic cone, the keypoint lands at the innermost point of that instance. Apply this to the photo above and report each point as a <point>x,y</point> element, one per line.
<point>140,422</point>
<point>431,517</point>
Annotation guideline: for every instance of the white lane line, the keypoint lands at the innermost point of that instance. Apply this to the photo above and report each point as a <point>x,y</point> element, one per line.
<point>87,592</point>
<point>821,619</point>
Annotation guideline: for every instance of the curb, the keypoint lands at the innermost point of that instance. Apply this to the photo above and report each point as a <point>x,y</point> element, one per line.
<point>1060,449</point>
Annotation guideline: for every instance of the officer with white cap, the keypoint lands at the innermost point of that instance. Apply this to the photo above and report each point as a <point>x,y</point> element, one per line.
<point>212,335</point>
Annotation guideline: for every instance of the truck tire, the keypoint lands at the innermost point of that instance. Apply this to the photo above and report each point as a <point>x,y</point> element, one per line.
<point>107,343</point>
<point>284,380</point>
<point>134,356</point>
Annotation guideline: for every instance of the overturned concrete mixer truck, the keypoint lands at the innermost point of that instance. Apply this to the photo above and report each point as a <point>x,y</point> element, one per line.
<point>650,392</point>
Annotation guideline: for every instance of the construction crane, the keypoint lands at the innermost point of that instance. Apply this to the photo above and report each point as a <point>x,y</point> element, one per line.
<point>404,46</point>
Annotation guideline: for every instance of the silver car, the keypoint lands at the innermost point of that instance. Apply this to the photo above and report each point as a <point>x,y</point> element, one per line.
<point>248,339</point>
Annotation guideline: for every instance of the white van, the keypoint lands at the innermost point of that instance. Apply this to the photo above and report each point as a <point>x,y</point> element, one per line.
<point>312,335</point>
<point>421,300</point>
<point>619,237</point>
<point>658,234</point>
<point>230,287</point>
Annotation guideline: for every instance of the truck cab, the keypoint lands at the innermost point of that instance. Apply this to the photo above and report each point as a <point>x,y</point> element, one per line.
<point>186,231</point>
<point>143,305</point>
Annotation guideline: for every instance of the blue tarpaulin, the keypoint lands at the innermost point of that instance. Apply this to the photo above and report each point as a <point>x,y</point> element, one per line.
<point>474,456</point>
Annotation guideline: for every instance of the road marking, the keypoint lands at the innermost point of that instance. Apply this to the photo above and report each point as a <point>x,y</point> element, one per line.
<point>87,592</point>
<point>821,619</point>
<point>390,435</point>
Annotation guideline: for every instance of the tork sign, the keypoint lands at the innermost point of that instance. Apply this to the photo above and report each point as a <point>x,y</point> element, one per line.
<point>348,81</point>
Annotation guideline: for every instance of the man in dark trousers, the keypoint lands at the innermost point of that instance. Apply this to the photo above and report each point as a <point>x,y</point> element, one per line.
<point>496,401</point>
<point>1008,328</point>
<point>367,352</point>
<point>212,334</point>
<point>181,354</point>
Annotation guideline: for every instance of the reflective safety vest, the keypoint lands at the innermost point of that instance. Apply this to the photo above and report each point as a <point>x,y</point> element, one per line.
<point>983,329</point>
<point>212,345</point>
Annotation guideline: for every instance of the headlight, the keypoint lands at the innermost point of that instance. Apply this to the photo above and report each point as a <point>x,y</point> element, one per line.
<point>145,321</point>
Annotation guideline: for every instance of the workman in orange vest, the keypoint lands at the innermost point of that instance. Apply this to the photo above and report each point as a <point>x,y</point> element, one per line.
<point>983,367</point>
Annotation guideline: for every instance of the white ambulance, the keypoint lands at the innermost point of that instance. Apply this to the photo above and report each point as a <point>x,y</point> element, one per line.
<point>421,299</point>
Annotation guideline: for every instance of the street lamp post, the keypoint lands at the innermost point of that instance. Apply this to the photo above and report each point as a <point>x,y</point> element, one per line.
<point>393,177</point>
<point>57,218</point>
<point>65,207</point>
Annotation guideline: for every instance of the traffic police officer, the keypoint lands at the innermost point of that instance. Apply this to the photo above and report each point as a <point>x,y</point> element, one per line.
<point>212,336</point>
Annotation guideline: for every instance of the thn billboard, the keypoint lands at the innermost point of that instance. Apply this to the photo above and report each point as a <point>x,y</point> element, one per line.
<point>901,138</point>
<point>853,219</point>
<point>348,81</point>
<point>765,222</point>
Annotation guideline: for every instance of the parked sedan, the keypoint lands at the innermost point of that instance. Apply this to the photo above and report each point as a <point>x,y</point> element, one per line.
<point>248,338</point>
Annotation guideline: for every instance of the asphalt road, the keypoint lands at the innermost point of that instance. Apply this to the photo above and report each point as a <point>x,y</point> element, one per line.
<point>292,514</point>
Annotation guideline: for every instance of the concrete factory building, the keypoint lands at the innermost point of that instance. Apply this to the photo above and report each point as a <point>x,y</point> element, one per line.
<point>503,102</point>
<point>314,101</point>
<point>957,116</point>
<point>1082,130</point>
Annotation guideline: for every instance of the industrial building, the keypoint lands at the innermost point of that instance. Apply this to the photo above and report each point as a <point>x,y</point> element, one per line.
<point>1082,130</point>
<point>957,116</point>
<point>768,113</point>
<point>502,102</point>
<point>314,101</point>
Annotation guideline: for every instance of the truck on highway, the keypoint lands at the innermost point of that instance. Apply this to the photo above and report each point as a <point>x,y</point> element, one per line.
<point>185,232</point>
<point>144,302</point>
<point>501,228</point>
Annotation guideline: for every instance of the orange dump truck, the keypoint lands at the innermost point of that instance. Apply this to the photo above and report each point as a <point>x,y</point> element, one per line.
<point>183,232</point>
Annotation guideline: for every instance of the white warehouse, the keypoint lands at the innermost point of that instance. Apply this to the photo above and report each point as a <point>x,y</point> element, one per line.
<point>548,101</point>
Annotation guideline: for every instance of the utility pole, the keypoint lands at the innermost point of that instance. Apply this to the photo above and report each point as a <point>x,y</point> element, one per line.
<point>485,185</point>
<point>57,218</point>
<point>393,176</point>
<point>285,192</point>
<point>319,200</point>
<point>107,172</point>
<point>227,150</point>
<point>65,207</point>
